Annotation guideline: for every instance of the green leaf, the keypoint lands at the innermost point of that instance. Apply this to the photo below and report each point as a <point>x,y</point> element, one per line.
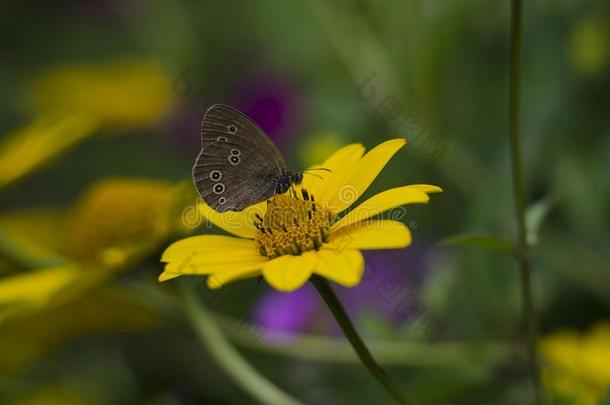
<point>481,240</point>
<point>534,216</point>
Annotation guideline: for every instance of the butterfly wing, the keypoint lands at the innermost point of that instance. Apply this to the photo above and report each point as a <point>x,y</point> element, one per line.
<point>238,165</point>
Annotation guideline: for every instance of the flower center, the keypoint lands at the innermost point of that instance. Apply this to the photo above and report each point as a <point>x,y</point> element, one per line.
<point>292,225</point>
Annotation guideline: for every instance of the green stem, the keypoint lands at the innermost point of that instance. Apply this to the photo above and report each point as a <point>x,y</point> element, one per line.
<point>227,357</point>
<point>402,353</point>
<point>519,197</point>
<point>331,300</point>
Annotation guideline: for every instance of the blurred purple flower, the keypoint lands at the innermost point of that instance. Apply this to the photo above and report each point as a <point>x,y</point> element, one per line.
<point>389,277</point>
<point>272,100</point>
<point>287,312</point>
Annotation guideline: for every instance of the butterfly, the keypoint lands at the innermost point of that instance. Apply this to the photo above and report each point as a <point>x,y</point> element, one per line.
<point>238,164</point>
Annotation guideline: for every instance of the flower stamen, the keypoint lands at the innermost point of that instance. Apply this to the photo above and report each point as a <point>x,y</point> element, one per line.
<point>292,225</point>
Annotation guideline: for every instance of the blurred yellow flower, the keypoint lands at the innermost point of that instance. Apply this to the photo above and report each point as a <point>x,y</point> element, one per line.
<point>293,236</point>
<point>317,147</point>
<point>577,366</point>
<point>111,227</point>
<point>123,93</point>
<point>114,224</point>
<point>589,45</point>
<point>30,147</point>
<point>117,217</point>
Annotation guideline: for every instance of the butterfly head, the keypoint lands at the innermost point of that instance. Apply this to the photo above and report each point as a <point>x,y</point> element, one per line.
<point>287,179</point>
<point>296,178</point>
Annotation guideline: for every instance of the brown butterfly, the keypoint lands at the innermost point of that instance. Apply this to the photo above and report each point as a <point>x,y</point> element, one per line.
<point>238,165</point>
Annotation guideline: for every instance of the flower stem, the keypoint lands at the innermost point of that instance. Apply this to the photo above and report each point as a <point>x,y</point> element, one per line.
<point>227,357</point>
<point>522,255</point>
<point>331,300</point>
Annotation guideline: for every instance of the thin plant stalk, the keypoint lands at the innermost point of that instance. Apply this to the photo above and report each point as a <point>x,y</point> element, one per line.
<point>331,300</point>
<point>522,253</point>
<point>227,357</point>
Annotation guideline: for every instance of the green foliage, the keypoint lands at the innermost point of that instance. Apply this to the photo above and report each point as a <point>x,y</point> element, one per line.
<point>480,240</point>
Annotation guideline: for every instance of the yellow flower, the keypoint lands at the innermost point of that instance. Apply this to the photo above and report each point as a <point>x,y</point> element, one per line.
<point>117,217</point>
<point>302,232</point>
<point>114,225</point>
<point>122,93</point>
<point>577,367</point>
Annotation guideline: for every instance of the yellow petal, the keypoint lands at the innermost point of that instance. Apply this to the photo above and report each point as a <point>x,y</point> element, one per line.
<point>238,223</point>
<point>173,270</point>
<point>31,147</point>
<point>362,174</point>
<point>37,286</point>
<point>287,273</point>
<point>340,164</point>
<point>217,280</point>
<point>207,254</point>
<point>208,264</point>
<point>205,244</point>
<point>168,276</point>
<point>344,267</point>
<point>375,234</point>
<point>427,188</point>
<point>384,201</point>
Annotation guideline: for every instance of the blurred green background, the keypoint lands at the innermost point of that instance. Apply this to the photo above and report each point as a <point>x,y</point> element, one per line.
<point>99,127</point>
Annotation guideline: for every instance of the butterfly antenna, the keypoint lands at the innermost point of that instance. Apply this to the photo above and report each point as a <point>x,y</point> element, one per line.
<point>315,175</point>
<point>319,168</point>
